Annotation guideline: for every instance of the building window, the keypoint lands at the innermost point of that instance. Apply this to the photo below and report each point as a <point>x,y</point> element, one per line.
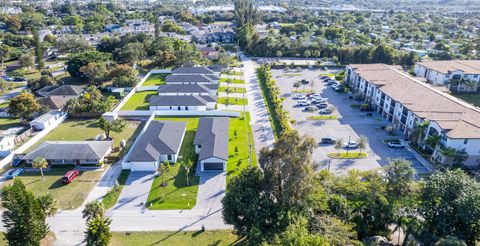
<point>169,157</point>
<point>475,76</point>
<point>465,141</point>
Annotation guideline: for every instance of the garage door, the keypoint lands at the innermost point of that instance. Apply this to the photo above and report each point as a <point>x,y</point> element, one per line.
<point>213,166</point>
<point>143,166</point>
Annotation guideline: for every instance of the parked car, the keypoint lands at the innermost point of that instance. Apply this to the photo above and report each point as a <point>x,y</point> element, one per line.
<point>17,159</point>
<point>340,88</point>
<point>19,79</point>
<point>319,100</point>
<point>326,111</point>
<point>321,105</point>
<point>14,173</point>
<point>310,108</point>
<point>7,78</point>
<point>350,145</point>
<point>311,95</point>
<point>395,144</point>
<point>328,140</point>
<point>303,103</point>
<point>299,97</point>
<point>70,176</point>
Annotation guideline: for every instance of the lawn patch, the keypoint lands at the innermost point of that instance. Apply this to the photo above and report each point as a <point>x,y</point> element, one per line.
<point>110,199</point>
<point>322,117</point>
<point>139,101</point>
<point>155,79</point>
<point>349,155</point>
<point>233,101</point>
<point>233,89</point>
<point>234,73</point>
<point>233,81</point>
<point>219,237</point>
<point>69,196</point>
<point>237,137</point>
<point>6,123</point>
<point>177,195</point>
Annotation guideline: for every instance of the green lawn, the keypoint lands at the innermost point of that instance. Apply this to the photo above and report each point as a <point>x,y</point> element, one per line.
<point>6,123</point>
<point>155,79</point>
<point>86,129</point>
<point>235,73</point>
<point>220,237</point>
<point>68,196</point>
<point>349,155</point>
<point>472,99</point>
<point>10,86</point>
<point>139,101</point>
<point>233,81</point>
<point>110,199</point>
<point>4,104</point>
<point>177,195</point>
<point>233,101</point>
<point>237,137</point>
<point>234,89</point>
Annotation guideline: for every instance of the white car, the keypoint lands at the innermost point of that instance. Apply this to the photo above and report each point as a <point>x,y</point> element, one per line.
<point>395,144</point>
<point>303,103</point>
<point>350,145</point>
<point>300,97</point>
<point>319,100</point>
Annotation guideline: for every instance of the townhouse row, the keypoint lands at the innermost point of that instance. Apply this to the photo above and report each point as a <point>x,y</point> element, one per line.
<point>407,102</point>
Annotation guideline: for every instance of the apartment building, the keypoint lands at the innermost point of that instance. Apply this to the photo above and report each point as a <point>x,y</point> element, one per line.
<point>452,74</point>
<point>406,102</point>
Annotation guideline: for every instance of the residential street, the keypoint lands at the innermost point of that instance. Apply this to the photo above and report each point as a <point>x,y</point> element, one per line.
<point>259,118</point>
<point>7,96</point>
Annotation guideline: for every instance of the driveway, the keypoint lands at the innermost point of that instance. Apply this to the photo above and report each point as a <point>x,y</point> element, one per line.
<point>135,192</point>
<point>259,118</point>
<point>350,124</point>
<point>11,94</point>
<point>211,190</point>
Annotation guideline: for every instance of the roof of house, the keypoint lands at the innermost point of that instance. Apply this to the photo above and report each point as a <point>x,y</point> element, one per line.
<point>453,115</point>
<point>192,70</point>
<point>212,136</point>
<point>45,117</point>
<point>191,78</point>
<point>194,100</point>
<point>46,89</point>
<point>54,102</point>
<point>467,66</point>
<point>160,137</point>
<point>186,88</point>
<point>70,150</point>
<point>67,90</point>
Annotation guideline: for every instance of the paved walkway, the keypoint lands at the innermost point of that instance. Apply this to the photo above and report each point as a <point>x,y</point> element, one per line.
<point>259,119</point>
<point>135,192</point>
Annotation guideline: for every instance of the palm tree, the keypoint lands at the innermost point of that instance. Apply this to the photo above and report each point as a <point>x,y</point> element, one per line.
<point>338,146</point>
<point>41,163</point>
<point>93,209</point>
<point>418,132</point>
<point>432,141</point>
<point>362,143</point>
<point>186,166</point>
<point>470,84</point>
<point>448,152</point>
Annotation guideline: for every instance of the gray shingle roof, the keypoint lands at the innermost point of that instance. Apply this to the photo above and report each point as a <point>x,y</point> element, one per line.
<point>54,102</point>
<point>181,100</point>
<point>160,137</point>
<point>70,150</point>
<point>184,88</point>
<point>192,70</point>
<point>212,136</point>
<point>67,90</point>
<point>190,78</point>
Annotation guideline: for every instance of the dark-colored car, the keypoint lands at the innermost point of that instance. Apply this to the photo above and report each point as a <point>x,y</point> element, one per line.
<point>321,105</point>
<point>70,176</point>
<point>19,79</point>
<point>328,140</point>
<point>14,173</point>
<point>17,159</point>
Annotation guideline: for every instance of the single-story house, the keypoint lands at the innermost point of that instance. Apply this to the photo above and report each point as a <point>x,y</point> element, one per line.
<point>54,102</point>
<point>179,103</point>
<point>67,90</point>
<point>209,52</point>
<point>187,89</point>
<point>7,143</point>
<point>71,152</point>
<point>159,142</point>
<point>45,90</point>
<point>211,143</point>
<point>45,120</point>
<point>192,79</point>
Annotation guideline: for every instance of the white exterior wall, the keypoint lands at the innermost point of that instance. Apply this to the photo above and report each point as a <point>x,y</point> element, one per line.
<point>182,108</point>
<point>213,159</point>
<point>173,158</point>
<point>184,94</point>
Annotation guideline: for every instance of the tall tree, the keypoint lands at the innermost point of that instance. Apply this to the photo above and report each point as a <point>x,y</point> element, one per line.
<point>40,163</point>
<point>116,125</point>
<point>38,49</point>
<point>92,210</point>
<point>245,13</point>
<point>4,53</point>
<point>26,60</point>
<point>187,165</point>
<point>24,105</point>
<point>98,231</point>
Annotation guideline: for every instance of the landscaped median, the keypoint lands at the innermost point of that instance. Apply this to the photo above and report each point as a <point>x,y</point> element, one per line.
<point>322,117</point>
<point>232,101</point>
<point>347,155</point>
<point>233,81</point>
<point>232,89</point>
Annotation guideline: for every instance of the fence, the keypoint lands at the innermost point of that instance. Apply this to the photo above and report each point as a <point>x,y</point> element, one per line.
<point>148,113</point>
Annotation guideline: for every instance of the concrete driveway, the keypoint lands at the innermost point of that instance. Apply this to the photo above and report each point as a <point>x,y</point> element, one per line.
<point>135,192</point>
<point>211,190</point>
<point>350,124</point>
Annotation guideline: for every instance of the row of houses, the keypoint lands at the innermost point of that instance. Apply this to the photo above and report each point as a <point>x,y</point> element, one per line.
<point>408,102</point>
<point>187,88</point>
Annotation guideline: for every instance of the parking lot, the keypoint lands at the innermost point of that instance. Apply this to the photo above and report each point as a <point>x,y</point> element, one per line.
<point>351,123</point>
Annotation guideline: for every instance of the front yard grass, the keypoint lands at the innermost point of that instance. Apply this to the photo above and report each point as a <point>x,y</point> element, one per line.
<point>233,89</point>
<point>233,81</point>
<point>238,138</point>
<point>219,237</point>
<point>233,101</point>
<point>139,101</point>
<point>177,195</point>
<point>110,199</point>
<point>6,123</point>
<point>155,79</point>
<point>69,196</point>
<point>349,155</point>
<point>322,117</point>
